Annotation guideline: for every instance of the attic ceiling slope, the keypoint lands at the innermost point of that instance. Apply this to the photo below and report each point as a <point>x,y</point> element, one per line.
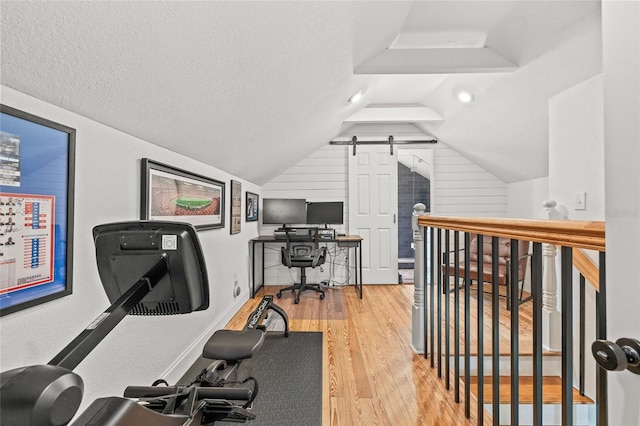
<point>254,87</point>
<point>505,130</point>
<point>248,87</point>
<point>556,45</point>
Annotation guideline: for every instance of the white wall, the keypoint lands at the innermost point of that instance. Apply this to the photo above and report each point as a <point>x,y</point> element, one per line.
<point>107,189</point>
<point>576,149</point>
<point>576,163</point>
<point>576,158</point>
<point>462,188</point>
<point>525,198</point>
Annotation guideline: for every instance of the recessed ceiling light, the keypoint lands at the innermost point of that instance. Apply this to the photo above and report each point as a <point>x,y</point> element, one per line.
<point>355,97</point>
<point>465,96</point>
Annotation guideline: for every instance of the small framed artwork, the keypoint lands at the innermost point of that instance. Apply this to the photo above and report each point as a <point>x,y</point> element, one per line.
<point>252,206</point>
<point>236,206</point>
<point>172,194</point>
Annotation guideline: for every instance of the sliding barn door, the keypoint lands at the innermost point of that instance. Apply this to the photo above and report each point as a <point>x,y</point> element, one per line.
<point>373,205</point>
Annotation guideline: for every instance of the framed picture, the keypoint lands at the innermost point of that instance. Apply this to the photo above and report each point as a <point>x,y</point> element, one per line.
<point>37,164</point>
<point>236,206</point>
<point>172,194</point>
<point>251,206</point>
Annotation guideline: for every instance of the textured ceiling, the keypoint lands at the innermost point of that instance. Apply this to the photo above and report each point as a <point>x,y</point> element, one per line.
<point>253,87</point>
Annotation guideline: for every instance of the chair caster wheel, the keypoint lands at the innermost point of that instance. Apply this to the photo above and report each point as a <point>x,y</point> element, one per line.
<point>321,296</point>
<point>296,301</point>
<point>279,295</point>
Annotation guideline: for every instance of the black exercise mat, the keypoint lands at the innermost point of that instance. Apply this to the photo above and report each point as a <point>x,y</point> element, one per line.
<point>289,374</point>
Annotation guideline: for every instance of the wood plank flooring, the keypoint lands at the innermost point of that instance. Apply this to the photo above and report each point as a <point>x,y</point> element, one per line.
<point>371,375</point>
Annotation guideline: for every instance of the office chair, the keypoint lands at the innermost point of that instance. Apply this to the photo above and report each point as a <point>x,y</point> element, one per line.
<point>303,254</point>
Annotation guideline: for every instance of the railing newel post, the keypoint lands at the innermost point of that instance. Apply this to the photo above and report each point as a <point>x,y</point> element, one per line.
<point>551,318</point>
<point>417,314</point>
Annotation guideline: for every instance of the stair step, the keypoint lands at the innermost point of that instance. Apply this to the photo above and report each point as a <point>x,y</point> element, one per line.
<point>551,385</point>
<point>583,414</point>
<point>551,366</point>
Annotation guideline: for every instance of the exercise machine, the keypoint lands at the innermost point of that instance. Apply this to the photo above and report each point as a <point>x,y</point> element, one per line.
<point>146,268</point>
<point>215,394</point>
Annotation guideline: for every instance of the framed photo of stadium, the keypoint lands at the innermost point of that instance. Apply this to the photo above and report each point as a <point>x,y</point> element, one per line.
<point>37,163</point>
<point>172,194</point>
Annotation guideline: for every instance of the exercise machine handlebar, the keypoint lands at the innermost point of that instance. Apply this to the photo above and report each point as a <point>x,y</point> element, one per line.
<point>202,392</point>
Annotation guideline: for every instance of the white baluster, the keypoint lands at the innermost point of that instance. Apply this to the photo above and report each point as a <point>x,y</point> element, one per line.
<point>417,315</point>
<point>551,318</point>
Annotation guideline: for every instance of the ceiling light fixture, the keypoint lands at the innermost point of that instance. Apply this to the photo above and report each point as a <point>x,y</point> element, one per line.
<point>355,97</point>
<point>465,96</point>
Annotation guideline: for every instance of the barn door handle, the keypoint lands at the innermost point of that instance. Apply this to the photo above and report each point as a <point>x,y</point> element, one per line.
<point>624,354</point>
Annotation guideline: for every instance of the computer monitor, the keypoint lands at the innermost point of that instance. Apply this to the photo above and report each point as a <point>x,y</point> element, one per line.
<point>126,251</point>
<point>284,211</point>
<point>325,213</point>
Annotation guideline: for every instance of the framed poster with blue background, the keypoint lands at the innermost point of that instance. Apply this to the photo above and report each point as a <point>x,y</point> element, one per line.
<point>36,209</point>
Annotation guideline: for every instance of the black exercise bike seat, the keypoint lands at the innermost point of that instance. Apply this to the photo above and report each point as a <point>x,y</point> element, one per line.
<point>232,345</point>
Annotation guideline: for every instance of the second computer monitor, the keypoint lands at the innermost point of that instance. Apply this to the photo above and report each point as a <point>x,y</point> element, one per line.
<point>325,213</point>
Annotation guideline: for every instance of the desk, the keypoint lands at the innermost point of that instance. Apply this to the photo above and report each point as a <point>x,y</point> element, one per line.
<point>348,241</point>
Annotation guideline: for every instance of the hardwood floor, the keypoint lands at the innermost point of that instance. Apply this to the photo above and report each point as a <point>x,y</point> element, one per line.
<point>371,375</point>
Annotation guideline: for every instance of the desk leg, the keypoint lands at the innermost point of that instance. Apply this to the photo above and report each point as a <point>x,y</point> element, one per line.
<point>360,249</point>
<point>262,282</point>
<point>359,267</point>
<point>253,269</point>
<point>355,262</point>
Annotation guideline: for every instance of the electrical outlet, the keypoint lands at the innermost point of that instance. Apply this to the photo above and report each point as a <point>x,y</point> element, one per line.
<point>580,201</point>
<point>236,286</point>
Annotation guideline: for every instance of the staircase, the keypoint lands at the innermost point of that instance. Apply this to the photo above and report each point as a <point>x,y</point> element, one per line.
<point>584,407</point>
<point>460,335</point>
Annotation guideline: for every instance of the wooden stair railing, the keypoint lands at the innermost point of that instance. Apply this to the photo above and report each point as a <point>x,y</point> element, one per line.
<point>587,268</point>
<point>565,233</point>
<point>572,237</point>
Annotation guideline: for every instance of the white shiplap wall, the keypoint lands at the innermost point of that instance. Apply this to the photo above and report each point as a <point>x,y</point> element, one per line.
<point>459,188</point>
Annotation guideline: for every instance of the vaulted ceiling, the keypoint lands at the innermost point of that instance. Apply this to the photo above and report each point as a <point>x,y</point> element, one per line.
<point>254,87</point>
